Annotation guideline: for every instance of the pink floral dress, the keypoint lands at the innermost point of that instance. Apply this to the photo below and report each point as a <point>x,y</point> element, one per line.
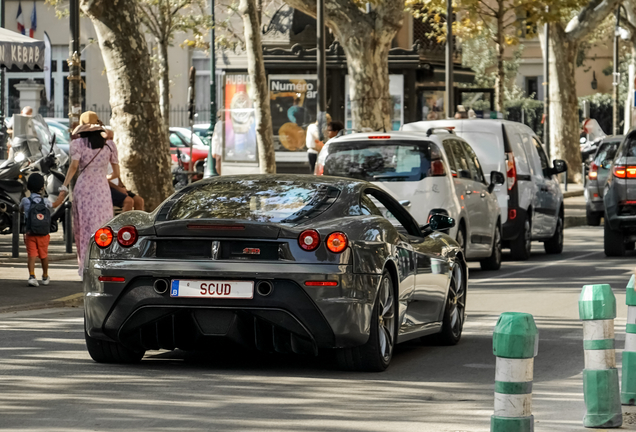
<point>92,204</point>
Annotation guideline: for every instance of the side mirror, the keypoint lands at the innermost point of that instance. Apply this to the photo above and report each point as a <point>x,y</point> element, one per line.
<point>559,166</point>
<point>439,222</point>
<point>496,178</point>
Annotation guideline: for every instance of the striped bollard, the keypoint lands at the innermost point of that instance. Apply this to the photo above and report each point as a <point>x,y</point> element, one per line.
<point>628,382</point>
<point>515,342</point>
<point>597,309</point>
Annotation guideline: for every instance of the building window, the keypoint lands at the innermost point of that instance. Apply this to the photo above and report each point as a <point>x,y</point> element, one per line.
<point>532,87</point>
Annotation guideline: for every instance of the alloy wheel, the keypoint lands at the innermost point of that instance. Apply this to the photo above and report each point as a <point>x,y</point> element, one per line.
<point>457,301</point>
<point>386,319</point>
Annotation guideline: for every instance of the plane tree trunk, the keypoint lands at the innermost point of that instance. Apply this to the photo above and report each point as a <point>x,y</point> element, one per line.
<point>260,92</point>
<point>143,147</point>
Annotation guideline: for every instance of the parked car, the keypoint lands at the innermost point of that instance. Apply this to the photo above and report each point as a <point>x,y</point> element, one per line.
<point>532,203</point>
<point>435,173</point>
<point>619,198</point>
<point>597,174</point>
<point>181,141</point>
<point>286,263</point>
<point>202,130</point>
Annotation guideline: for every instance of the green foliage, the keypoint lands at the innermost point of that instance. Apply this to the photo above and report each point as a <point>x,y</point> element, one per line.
<point>526,110</point>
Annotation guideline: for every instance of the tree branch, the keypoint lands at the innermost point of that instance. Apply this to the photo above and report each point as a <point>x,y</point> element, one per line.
<point>589,17</point>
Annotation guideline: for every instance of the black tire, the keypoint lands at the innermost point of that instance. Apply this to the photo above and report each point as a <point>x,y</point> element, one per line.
<point>455,309</point>
<point>461,237</point>
<point>554,245</point>
<point>593,218</point>
<point>493,262</point>
<point>374,356</point>
<point>521,247</point>
<point>613,241</point>
<point>111,352</point>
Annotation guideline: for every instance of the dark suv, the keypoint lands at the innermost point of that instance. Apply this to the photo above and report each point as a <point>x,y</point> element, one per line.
<point>619,198</point>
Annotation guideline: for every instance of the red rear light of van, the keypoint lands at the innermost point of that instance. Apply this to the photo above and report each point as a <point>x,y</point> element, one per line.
<point>631,172</point>
<point>593,174</point>
<point>437,169</point>
<point>511,170</point>
<point>379,137</point>
<point>620,171</point>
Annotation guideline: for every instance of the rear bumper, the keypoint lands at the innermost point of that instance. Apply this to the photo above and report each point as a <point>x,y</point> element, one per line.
<point>292,318</point>
<point>512,228</point>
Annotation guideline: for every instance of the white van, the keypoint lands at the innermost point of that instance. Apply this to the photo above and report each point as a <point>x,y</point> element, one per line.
<point>531,202</point>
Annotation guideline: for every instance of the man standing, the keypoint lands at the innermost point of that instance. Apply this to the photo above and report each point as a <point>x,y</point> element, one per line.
<point>313,143</point>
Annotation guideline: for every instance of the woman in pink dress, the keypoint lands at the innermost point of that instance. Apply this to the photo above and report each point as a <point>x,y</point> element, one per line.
<point>91,154</point>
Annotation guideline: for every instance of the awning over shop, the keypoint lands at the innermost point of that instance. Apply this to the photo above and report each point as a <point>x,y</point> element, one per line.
<point>19,52</point>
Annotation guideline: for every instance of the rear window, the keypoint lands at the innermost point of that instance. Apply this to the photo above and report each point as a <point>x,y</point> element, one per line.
<point>382,160</point>
<point>254,200</point>
<point>606,152</point>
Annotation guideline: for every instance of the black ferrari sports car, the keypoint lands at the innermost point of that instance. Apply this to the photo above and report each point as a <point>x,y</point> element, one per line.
<point>282,263</point>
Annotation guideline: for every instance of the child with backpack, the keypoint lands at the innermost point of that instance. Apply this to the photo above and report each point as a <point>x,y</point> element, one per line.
<point>37,212</point>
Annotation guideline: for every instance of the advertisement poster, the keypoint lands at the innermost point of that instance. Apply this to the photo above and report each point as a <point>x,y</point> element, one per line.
<point>238,116</point>
<point>396,90</point>
<point>293,103</point>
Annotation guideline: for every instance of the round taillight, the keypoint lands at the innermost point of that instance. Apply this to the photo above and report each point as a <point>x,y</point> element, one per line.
<point>309,240</point>
<point>337,242</point>
<point>104,237</point>
<point>127,236</point>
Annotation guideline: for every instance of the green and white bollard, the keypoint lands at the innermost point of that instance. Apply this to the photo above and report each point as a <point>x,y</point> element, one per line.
<point>515,342</point>
<point>628,382</point>
<point>597,309</point>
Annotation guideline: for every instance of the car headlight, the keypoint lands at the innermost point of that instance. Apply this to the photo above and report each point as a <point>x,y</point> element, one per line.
<point>19,157</point>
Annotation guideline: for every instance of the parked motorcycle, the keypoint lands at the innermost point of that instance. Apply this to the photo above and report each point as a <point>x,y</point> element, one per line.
<point>32,150</point>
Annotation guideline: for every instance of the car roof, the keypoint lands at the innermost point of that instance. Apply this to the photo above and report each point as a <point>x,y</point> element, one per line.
<point>465,125</point>
<point>402,135</point>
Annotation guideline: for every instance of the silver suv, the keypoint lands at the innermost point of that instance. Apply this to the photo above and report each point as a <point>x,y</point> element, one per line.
<point>619,198</point>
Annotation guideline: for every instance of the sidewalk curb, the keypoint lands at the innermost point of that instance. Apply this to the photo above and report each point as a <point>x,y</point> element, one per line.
<point>574,221</point>
<point>52,258</point>
<point>74,300</point>
<point>571,194</point>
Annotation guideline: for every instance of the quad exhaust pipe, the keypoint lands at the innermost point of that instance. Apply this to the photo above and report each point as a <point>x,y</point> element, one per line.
<point>161,286</point>
<point>264,288</point>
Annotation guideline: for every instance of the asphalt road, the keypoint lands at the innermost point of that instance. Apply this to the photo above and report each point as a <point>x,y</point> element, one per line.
<point>49,383</point>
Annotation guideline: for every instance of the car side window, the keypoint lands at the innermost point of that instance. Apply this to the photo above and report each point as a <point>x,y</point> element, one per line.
<point>545,165</point>
<point>175,141</point>
<point>368,207</point>
<point>460,160</point>
<point>606,153</point>
<point>473,163</point>
<point>451,159</point>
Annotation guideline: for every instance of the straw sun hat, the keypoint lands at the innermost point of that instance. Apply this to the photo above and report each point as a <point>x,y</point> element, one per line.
<point>89,122</point>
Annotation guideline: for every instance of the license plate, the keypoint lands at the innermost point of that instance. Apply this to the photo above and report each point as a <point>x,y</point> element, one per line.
<point>212,289</point>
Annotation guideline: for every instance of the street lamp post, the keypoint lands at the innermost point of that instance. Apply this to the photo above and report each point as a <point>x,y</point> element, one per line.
<point>546,90</point>
<point>450,97</point>
<point>2,91</point>
<point>322,67</point>
<point>74,66</point>
<point>617,76</point>
<point>210,166</point>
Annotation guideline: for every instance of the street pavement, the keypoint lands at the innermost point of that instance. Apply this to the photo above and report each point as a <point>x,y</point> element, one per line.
<point>49,383</point>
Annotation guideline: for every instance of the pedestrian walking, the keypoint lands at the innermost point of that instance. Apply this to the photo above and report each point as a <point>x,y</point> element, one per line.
<point>37,214</point>
<point>91,153</point>
<point>335,129</point>
<point>313,143</point>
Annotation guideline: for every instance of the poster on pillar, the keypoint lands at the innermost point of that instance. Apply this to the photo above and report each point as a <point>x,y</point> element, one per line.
<point>239,140</point>
<point>293,102</point>
<point>396,90</point>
